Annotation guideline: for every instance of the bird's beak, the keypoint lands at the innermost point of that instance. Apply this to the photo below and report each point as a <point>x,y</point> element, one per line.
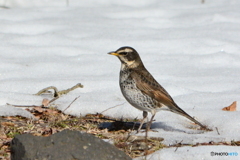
<point>113,53</point>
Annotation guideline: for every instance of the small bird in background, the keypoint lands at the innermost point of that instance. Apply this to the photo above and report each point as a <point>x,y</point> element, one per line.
<point>141,90</point>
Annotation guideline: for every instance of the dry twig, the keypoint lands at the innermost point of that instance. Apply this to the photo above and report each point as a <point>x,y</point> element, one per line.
<point>71,103</point>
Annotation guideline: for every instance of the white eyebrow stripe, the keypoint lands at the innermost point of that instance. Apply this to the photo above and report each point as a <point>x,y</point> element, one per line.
<point>126,50</point>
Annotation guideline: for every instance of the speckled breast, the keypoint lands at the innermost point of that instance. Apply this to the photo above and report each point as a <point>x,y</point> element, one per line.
<point>133,95</point>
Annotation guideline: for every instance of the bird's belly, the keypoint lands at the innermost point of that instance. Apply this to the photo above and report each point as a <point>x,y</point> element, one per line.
<point>136,98</point>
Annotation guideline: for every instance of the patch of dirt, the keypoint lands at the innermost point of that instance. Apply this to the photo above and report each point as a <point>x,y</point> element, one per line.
<point>50,120</point>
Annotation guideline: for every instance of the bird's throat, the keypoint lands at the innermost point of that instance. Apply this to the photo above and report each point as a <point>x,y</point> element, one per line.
<point>129,64</point>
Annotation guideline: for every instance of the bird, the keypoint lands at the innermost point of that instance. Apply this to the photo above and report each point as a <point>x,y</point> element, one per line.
<point>141,90</point>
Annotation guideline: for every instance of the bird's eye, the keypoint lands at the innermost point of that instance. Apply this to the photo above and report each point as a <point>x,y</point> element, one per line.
<point>124,53</point>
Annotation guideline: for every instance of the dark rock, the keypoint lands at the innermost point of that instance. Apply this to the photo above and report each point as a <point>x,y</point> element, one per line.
<point>65,145</point>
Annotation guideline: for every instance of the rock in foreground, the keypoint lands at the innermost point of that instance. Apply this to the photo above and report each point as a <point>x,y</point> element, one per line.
<point>65,145</point>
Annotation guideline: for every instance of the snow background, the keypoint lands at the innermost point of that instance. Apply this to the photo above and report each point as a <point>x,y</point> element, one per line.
<point>192,50</point>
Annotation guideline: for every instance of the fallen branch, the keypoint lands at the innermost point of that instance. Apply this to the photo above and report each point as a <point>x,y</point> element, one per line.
<point>58,93</point>
<point>22,105</point>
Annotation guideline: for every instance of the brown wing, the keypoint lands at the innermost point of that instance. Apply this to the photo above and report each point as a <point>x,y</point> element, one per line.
<point>148,85</point>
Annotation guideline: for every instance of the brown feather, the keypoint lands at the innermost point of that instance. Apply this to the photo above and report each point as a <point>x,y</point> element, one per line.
<point>149,86</point>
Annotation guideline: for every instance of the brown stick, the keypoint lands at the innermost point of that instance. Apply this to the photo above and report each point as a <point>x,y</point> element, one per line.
<point>71,103</point>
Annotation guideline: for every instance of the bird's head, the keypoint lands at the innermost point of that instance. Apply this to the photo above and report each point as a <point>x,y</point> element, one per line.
<point>128,57</point>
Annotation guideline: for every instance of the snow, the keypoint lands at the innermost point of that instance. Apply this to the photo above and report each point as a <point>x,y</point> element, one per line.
<point>200,152</point>
<point>191,48</point>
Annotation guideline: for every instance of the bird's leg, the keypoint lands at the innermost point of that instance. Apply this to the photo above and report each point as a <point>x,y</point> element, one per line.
<point>145,113</point>
<point>150,122</point>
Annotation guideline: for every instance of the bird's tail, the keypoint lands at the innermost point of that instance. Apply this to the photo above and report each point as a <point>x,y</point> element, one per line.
<point>178,110</point>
